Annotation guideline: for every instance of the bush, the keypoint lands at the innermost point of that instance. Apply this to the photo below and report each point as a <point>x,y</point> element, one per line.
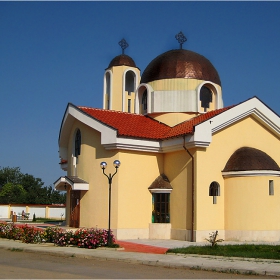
<point>91,238</point>
<point>31,234</point>
<point>4,228</point>
<point>14,232</point>
<point>51,233</point>
<point>213,238</point>
<point>83,238</point>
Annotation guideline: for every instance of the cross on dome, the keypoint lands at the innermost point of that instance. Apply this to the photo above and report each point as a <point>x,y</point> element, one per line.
<point>123,45</point>
<point>181,38</point>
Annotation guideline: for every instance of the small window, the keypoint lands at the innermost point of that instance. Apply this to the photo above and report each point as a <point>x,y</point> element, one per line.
<point>78,143</point>
<point>214,190</point>
<point>271,187</point>
<point>129,105</point>
<point>161,208</point>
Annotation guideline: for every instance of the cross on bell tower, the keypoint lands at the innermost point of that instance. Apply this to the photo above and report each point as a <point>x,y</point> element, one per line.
<point>123,45</point>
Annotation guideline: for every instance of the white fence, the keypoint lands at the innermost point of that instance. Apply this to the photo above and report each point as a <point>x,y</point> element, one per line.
<point>40,211</point>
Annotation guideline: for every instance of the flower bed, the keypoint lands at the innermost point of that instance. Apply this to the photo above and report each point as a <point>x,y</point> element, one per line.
<point>83,238</point>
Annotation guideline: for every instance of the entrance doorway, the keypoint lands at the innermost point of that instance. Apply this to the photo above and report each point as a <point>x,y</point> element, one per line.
<point>75,208</point>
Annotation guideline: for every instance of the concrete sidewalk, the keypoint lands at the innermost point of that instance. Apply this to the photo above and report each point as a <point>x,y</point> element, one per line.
<point>234,265</point>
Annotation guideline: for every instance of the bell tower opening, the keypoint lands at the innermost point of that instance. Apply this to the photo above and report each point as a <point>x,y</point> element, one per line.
<point>205,97</point>
<point>107,95</point>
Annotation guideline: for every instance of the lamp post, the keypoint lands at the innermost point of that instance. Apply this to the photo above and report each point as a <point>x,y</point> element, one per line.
<point>103,166</point>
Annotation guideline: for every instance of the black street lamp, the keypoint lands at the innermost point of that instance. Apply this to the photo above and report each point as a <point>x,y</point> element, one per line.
<point>103,166</point>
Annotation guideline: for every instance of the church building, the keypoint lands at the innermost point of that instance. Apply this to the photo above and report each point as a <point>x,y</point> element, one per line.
<point>186,164</point>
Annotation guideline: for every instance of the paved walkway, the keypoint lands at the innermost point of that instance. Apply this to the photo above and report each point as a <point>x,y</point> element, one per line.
<point>129,246</point>
<point>157,258</point>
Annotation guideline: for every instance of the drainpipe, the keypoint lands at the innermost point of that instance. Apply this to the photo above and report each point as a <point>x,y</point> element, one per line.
<point>192,229</point>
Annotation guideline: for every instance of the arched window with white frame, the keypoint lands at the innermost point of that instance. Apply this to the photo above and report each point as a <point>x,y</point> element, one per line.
<point>208,97</point>
<point>107,94</point>
<point>130,78</point>
<point>143,100</point>
<point>214,191</point>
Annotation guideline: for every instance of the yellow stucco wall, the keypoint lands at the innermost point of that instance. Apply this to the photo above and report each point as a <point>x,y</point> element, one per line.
<point>118,87</point>
<point>172,119</point>
<point>137,172</point>
<point>248,203</point>
<point>211,161</point>
<point>94,209</point>
<point>178,169</point>
<point>188,84</point>
<point>176,84</point>
<point>130,194</point>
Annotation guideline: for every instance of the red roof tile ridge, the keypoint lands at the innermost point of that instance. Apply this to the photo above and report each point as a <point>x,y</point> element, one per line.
<point>187,126</point>
<point>205,116</point>
<point>106,110</point>
<point>144,126</point>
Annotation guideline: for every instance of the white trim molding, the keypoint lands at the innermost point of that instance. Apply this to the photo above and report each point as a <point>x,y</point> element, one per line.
<point>251,173</point>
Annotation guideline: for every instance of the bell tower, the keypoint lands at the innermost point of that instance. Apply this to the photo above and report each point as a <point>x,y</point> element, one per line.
<point>121,80</point>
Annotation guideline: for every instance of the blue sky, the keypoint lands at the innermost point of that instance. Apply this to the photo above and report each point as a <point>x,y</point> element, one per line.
<point>52,53</point>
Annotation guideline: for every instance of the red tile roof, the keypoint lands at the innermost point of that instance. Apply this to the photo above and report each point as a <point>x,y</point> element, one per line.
<point>141,126</point>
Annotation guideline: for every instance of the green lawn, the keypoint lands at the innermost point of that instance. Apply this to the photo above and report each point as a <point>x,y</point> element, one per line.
<point>41,220</point>
<point>244,251</point>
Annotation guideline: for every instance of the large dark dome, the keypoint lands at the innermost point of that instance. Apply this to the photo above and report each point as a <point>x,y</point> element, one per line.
<point>246,158</point>
<point>180,64</point>
<point>122,59</point>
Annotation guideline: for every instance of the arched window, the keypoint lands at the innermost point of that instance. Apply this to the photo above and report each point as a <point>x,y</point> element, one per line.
<point>214,190</point>
<point>78,143</point>
<point>108,90</point>
<point>130,82</point>
<point>144,102</point>
<point>205,97</point>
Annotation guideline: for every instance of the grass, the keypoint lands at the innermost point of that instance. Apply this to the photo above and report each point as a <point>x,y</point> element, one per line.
<point>16,250</point>
<point>243,251</point>
<point>42,220</point>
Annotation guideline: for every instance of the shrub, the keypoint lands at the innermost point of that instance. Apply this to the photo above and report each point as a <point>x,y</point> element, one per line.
<point>83,238</point>
<point>4,228</point>
<point>63,238</point>
<point>31,234</point>
<point>14,232</point>
<point>91,238</point>
<point>213,238</point>
<point>51,233</point>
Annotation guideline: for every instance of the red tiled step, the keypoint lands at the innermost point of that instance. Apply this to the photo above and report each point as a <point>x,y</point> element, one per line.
<point>141,248</point>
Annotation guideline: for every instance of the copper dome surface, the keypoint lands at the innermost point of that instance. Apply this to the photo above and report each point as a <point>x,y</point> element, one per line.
<point>122,59</point>
<point>180,64</point>
<point>246,158</point>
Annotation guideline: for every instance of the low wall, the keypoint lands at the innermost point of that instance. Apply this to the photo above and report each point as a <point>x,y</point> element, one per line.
<point>40,211</point>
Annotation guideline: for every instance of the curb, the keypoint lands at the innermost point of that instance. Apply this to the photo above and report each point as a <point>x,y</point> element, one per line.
<point>155,259</point>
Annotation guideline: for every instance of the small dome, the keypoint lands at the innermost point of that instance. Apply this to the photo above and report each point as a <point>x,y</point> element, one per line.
<point>122,59</point>
<point>180,64</point>
<point>245,159</point>
<point>161,182</point>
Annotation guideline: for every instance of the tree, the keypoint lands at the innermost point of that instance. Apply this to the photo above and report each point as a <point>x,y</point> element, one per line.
<point>10,175</point>
<point>34,188</point>
<point>12,193</point>
<point>27,188</point>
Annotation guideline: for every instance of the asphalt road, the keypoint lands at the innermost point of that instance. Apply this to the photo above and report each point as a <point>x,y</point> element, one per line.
<point>27,265</point>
